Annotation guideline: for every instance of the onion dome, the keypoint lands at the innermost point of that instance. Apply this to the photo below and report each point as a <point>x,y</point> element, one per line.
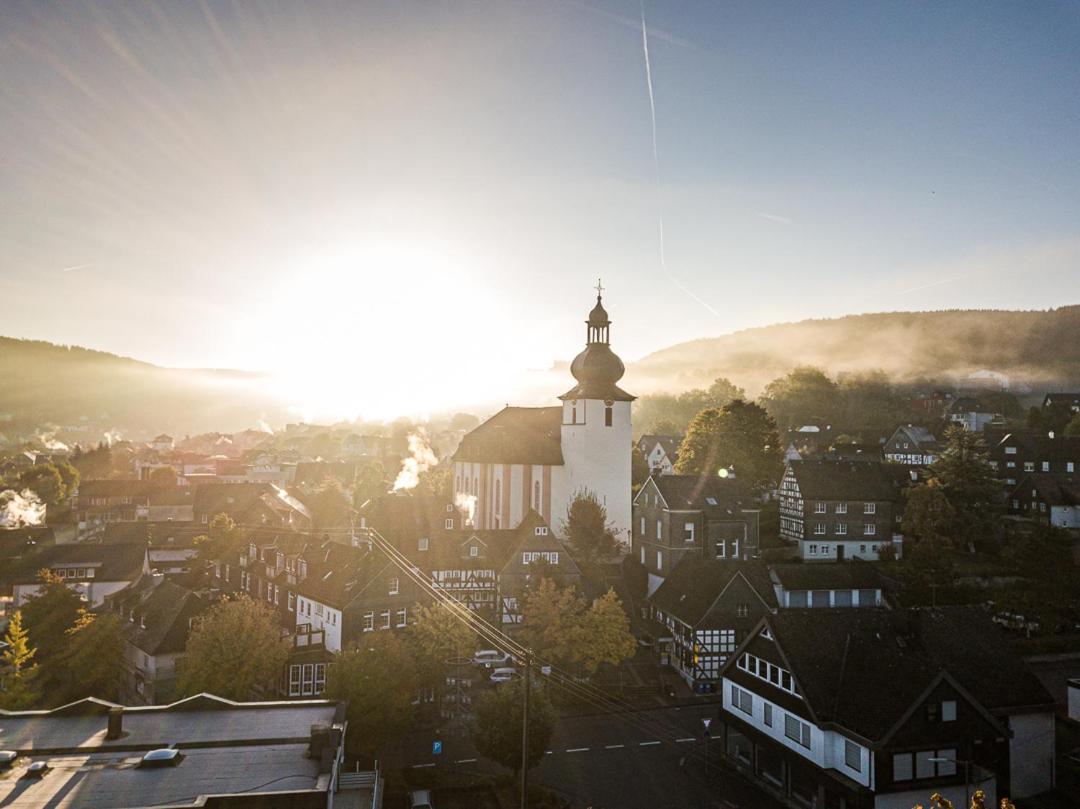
<point>597,368</point>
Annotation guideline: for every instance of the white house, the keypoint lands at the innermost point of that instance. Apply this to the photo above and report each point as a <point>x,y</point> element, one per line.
<point>94,571</point>
<point>541,458</point>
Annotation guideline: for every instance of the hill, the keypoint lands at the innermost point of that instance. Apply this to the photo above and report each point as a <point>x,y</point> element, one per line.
<point>65,385</point>
<point>1039,347</point>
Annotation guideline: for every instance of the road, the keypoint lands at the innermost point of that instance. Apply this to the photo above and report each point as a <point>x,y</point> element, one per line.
<point>652,758</point>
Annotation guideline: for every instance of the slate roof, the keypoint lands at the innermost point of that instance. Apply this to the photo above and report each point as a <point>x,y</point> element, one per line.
<point>692,492</point>
<point>863,668</point>
<point>670,444</point>
<point>516,435</point>
<point>694,585</point>
<point>215,498</point>
<point>337,573</point>
<point>1055,489</point>
<point>113,562</point>
<point>854,575</point>
<point>1067,399</point>
<point>125,487</point>
<point>843,480</point>
<point>155,614</point>
<point>158,532</point>
<point>16,542</point>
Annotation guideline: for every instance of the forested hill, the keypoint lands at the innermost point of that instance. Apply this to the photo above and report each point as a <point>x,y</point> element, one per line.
<point>1042,347</point>
<point>45,383</point>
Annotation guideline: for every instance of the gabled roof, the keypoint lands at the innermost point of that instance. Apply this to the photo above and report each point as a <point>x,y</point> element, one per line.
<point>918,435</point>
<point>693,492</point>
<point>231,498</point>
<point>1068,399</point>
<point>669,443</point>
<point>16,542</point>
<point>1054,489</point>
<point>863,668</point>
<point>159,532</point>
<point>111,562</point>
<point>156,613</point>
<point>843,480</point>
<point>127,487</point>
<point>516,435</point>
<point>695,584</point>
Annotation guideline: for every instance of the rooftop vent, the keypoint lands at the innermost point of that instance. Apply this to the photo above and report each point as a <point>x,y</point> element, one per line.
<point>162,757</point>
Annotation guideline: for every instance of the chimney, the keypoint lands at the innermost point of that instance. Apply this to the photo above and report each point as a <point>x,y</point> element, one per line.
<point>116,723</point>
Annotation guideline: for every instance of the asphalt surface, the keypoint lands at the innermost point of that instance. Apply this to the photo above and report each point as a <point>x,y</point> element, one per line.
<point>652,758</point>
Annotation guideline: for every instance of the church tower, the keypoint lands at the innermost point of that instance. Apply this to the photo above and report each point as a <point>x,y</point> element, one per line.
<point>596,426</point>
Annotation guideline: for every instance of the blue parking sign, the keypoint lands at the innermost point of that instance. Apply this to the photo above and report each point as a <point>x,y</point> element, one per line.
<point>436,748</point>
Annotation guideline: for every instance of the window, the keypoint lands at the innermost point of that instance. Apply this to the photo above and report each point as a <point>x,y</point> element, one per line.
<point>659,560</point>
<point>902,767</point>
<point>474,551</point>
<point>292,601</point>
<point>841,508</point>
<point>812,549</point>
<point>402,618</point>
<point>841,529</point>
<point>385,616</point>
<point>743,700</point>
<point>742,610</point>
<point>712,500</point>
<point>642,531</point>
<point>1010,450</point>
<point>727,641</point>
<point>449,525</point>
<point>924,766</point>
<point>869,508</point>
<point>369,621</point>
<point>498,496</point>
<point>642,554</point>
<point>536,496</point>
<point>948,710</point>
<point>688,532</point>
<point>819,529</point>
<point>797,730</point>
<point>820,508</point>
<point>1070,467</point>
<point>540,531</point>
<point>721,550</point>
<point>607,415</point>
<point>768,714</point>
<point>1029,466</point>
<point>869,529</point>
<point>659,529</point>
<point>320,677</point>
<point>947,765</point>
<point>1046,466</point>
<point>395,586</point>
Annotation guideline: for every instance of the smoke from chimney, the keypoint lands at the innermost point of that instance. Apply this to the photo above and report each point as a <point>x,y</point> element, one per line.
<point>20,509</point>
<point>421,458</point>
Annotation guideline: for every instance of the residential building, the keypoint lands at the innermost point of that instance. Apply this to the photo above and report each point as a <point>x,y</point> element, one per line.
<point>912,445</point>
<point>233,755</point>
<point>541,458</point>
<point>1053,499</point>
<point>798,585</point>
<point>1018,454</point>
<point>881,708</point>
<point>703,610</point>
<point>156,618</point>
<point>661,452</point>
<point>94,571</point>
<point>1070,401</point>
<point>250,504</point>
<point>533,543</point>
<point>838,510</point>
<point>971,414</point>
<point>170,545</point>
<point>676,516</point>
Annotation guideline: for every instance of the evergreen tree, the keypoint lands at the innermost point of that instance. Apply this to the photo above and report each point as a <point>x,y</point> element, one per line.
<point>963,471</point>
<point>586,528</point>
<point>17,688</point>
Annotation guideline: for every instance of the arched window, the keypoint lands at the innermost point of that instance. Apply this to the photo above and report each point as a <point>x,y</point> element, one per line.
<point>498,496</point>
<point>536,497</point>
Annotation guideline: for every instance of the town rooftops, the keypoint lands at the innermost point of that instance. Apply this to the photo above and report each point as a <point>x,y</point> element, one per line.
<point>699,492</point>
<point>864,668</point>
<point>854,575</point>
<point>228,748</point>
<point>843,480</point>
<point>123,487</point>
<point>155,614</point>
<point>110,562</point>
<point>695,584</point>
<point>158,532</point>
<point>1054,489</point>
<point>516,435</point>
<point>916,434</point>
<point>16,542</point>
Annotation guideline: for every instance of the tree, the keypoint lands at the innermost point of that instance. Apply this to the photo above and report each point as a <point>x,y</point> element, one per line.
<point>741,436</point>
<point>561,627</point>
<point>377,679</point>
<point>163,476</point>
<point>90,664</point>
<point>17,689</point>
<point>929,516</point>
<point>49,614</point>
<point>370,482</point>
<point>496,730</point>
<point>967,480</point>
<point>639,469</point>
<point>222,536</point>
<point>437,637</point>
<point>586,527</point>
<point>69,475</point>
<point>45,481</point>
<point>235,651</point>
<point>806,395</point>
<point>668,414</point>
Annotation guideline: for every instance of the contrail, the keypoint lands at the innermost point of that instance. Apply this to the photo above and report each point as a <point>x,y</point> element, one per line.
<point>656,165</point>
<point>77,267</point>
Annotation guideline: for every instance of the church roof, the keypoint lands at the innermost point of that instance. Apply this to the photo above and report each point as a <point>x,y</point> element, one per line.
<point>525,435</point>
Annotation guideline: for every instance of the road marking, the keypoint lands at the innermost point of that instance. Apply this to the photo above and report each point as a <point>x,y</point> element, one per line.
<point>465,761</point>
<point>577,750</point>
<point>614,746</point>
<point>548,752</point>
<point>646,744</point>
<point>688,739</point>
<point>432,764</point>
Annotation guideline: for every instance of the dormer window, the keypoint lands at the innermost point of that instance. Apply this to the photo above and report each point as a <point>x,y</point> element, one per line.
<point>474,551</point>
<point>540,531</point>
<point>422,544</point>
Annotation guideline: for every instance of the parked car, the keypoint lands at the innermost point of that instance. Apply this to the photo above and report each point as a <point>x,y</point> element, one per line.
<point>489,658</point>
<point>504,674</point>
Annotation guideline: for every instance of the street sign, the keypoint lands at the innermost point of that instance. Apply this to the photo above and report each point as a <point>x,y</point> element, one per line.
<point>706,722</point>
<point>436,748</point>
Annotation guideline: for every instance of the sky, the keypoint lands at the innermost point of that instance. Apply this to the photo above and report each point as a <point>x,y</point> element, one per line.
<point>386,202</point>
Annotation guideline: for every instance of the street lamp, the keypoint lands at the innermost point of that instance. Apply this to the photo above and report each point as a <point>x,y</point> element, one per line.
<point>967,774</point>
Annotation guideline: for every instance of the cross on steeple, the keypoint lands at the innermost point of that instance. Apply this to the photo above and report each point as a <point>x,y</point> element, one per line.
<point>599,289</point>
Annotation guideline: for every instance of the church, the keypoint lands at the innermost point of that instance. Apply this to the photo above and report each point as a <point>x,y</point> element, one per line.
<point>540,458</point>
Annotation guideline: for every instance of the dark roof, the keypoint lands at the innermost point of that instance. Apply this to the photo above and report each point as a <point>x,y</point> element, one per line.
<point>864,668</point>
<point>215,498</point>
<point>843,480</point>
<point>1068,399</point>
<point>918,435</point>
<point>525,435</point>
<point>16,542</point>
<point>158,532</point>
<point>337,573</point>
<point>694,585</point>
<point>1040,447</point>
<point>1054,489</point>
<point>156,614</point>
<point>126,487</point>
<point>670,443</point>
<point>113,562</point>
<point>693,492</point>
<point>855,575</point>
<point>315,472</point>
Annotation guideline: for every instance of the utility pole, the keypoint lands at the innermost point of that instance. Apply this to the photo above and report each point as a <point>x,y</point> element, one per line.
<point>525,732</point>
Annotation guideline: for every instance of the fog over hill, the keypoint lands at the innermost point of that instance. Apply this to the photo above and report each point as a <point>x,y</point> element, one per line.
<point>1042,347</point>
<point>47,383</point>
